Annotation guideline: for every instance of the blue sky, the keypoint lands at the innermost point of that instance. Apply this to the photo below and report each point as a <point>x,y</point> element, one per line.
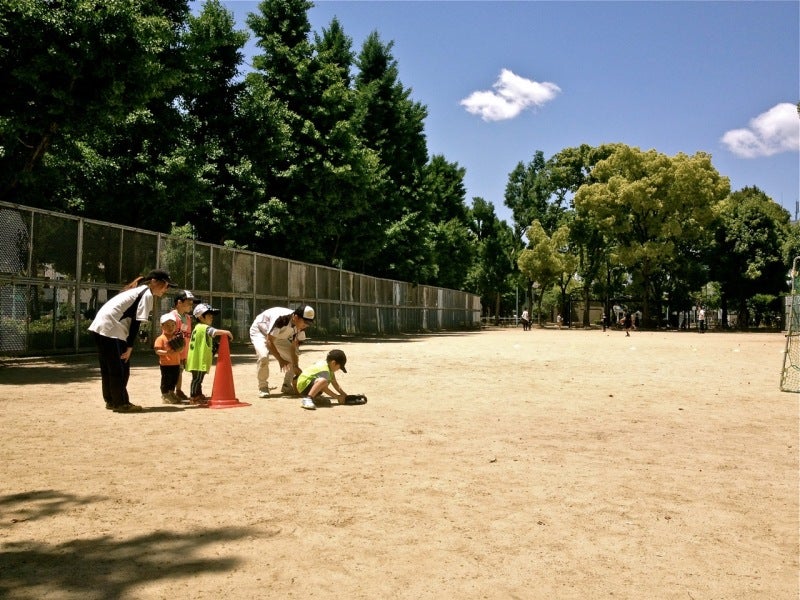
<point>502,80</point>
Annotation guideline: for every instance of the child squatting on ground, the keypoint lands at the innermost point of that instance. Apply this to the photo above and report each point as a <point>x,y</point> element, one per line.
<point>169,359</point>
<point>317,379</point>
<point>198,361</point>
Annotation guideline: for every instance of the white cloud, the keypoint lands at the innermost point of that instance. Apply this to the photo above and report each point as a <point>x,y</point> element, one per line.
<point>512,94</point>
<point>777,130</point>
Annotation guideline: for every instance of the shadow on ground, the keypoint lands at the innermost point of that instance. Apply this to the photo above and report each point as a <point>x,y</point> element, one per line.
<point>98,567</point>
<point>71,368</point>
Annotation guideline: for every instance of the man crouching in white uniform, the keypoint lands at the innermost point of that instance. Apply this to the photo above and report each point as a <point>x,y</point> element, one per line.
<point>277,331</point>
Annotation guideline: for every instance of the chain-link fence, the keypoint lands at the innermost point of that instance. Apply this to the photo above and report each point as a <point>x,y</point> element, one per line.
<point>57,270</point>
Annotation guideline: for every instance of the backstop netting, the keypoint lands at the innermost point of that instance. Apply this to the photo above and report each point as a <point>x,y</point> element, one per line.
<point>790,376</point>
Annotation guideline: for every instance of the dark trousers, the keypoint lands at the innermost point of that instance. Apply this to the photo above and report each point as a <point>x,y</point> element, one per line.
<point>169,377</point>
<point>114,371</point>
<point>197,383</point>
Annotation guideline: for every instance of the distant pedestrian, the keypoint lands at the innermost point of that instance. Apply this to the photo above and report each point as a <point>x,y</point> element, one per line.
<point>604,321</point>
<point>526,320</point>
<point>628,323</point>
<point>701,320</point>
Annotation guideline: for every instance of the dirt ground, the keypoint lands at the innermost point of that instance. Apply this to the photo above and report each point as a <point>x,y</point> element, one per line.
<point>493,464</point>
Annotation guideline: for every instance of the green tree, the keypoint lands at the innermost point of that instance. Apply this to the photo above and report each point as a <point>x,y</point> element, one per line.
<point>322,186</point>
<point>392,125</point>
<point>68,68</point>
<point>452,241</point>
<point>749,256</point>
<point>493,267</point>
<point>652,206</point>
<point>528,193</point>
<point>567,171</point>
<point>220,205</point>
<point>541,262</point>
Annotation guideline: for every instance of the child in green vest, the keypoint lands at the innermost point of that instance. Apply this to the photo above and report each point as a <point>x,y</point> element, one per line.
<point>318,378</point>
<point>199,358</point>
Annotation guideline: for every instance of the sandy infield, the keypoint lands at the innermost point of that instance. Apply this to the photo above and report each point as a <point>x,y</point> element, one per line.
<point>494,464</point>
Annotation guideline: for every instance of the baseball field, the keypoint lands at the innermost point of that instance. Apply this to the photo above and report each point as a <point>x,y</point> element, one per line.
<point>493,464</point>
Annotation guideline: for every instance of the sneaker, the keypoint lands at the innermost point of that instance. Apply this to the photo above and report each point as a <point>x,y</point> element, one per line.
<point>263,394</point>
<point>170,398</point>
<point>287,389</point>
<point>127,408</point>
<point>181,396</point>
<point>199,400</point>
<point>308,403</point>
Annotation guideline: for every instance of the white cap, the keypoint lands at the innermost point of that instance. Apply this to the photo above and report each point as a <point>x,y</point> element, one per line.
<point>306,313</point>
<point>166,317</point>
<point>203,308</point>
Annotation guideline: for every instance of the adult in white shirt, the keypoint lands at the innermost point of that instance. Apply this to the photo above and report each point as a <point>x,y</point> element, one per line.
<point>277,332</point>
<point>114,329</point>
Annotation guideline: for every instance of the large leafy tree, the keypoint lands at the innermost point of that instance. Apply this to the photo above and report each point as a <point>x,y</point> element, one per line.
<point>749,257</point>
<point>348,174</point>
<point>323,183</point>
<point>220,168</point>
<point>392,124</point>
<point>494,265</point>
<point>528,193</point>
<point>452,242</point>
<point>68,68</point>
<point>567,171</point>
<point>652,206</point>
<point>546,260</point>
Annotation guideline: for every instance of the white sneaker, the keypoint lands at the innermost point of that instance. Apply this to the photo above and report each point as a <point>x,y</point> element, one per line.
<point>263,394</point>
<point>308,403</point>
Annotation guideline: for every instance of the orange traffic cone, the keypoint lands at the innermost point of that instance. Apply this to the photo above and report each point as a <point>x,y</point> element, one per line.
<point>222,394</point>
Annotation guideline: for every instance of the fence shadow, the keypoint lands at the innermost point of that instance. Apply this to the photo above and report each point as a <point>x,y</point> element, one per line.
<point>72,368</point>
<point>102,567</point>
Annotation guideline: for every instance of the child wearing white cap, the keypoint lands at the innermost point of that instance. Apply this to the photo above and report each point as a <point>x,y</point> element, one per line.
<point>198,362</point>
<point>169,359</point>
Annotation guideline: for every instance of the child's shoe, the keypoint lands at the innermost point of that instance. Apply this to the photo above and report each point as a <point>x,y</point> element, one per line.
<point>200,400</point>
<point>170,398</point>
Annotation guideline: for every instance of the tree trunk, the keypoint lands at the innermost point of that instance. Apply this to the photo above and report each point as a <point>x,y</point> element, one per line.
<point>724,308</point>
<point>586,296</point>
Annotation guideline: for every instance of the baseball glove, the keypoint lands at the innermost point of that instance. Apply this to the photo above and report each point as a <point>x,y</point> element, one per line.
<point>355,399</point>
<point>176,343</point>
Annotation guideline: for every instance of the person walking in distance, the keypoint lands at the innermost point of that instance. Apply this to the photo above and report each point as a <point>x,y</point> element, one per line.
<point>526,320</point>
